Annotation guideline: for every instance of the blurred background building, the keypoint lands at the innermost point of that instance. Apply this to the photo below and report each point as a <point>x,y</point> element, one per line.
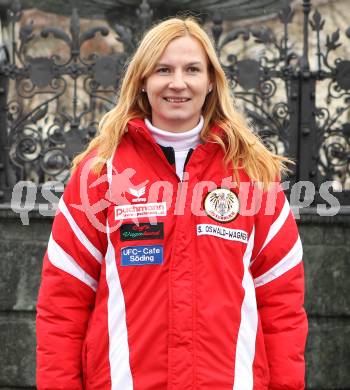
<point>288,63</point>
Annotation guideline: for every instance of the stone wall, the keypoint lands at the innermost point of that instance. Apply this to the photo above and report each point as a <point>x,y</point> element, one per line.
<point>327,266</point>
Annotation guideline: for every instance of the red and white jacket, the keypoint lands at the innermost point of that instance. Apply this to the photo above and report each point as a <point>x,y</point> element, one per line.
<point>142,289</point>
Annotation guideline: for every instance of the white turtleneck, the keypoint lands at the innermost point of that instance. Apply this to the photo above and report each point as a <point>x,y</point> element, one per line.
<point>181,142</point>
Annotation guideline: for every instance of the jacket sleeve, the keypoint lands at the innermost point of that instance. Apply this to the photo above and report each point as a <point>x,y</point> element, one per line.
<point>70,276</point>
<point>278,274</point>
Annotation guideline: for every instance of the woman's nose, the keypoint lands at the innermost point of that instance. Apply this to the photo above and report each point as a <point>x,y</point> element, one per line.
<point>178,81</point>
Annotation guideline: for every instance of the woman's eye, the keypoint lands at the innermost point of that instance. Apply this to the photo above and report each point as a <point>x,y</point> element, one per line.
<point>162,70</point>
<point>193,69</point>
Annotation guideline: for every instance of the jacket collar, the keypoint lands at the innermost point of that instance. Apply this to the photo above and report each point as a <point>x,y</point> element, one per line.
<point>138,125</point>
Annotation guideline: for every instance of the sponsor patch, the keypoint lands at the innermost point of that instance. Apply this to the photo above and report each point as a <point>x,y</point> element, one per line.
<point>142,231</point>
<point>222,232</point>
<point>132,211</point>
<point>222,205</point>
<point>142,255</point>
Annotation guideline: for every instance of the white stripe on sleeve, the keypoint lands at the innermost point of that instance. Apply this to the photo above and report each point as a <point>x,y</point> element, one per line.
<point>79,233</point>
<point>290,260</point>
<point>62,260</point>
<point>275,226</point>
<point>245,349</point>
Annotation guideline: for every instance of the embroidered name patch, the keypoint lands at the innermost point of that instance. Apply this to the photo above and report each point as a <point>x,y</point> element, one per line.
<point>142,255</point>
<point>142,231</point>
<point>126,211</point>
<point>222,232</point>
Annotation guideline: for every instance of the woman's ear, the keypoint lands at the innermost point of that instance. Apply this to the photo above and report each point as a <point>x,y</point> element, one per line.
<point>143,87</point>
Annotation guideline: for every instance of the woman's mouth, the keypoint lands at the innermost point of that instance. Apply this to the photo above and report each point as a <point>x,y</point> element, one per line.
<point>176,100</point>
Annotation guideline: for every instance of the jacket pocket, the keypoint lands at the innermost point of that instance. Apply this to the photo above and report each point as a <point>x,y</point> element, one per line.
<point>261,364</point>
<point>84,363</point>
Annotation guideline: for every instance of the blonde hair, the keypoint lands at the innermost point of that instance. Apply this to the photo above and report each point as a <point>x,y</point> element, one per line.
<point>241,146</point>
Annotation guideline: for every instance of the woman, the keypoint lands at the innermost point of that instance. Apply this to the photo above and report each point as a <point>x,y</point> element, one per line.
<point>174,262</point>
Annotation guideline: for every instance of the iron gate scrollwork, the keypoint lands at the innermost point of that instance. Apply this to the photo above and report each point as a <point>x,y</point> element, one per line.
<point>280,93</point>
<point>42,128</point>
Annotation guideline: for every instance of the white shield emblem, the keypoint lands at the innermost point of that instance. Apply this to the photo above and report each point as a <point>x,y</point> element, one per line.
<point>222,205</point>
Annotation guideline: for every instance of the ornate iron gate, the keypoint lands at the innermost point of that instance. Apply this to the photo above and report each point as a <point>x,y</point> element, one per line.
<point>41,127</point>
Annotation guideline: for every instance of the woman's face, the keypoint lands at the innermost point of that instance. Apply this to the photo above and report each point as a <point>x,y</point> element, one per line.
<point>178,86</point>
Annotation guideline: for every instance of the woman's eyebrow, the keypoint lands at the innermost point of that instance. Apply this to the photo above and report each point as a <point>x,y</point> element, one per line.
<point>194,63</point>
<point>170,66</point>
<point>162,64</point>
